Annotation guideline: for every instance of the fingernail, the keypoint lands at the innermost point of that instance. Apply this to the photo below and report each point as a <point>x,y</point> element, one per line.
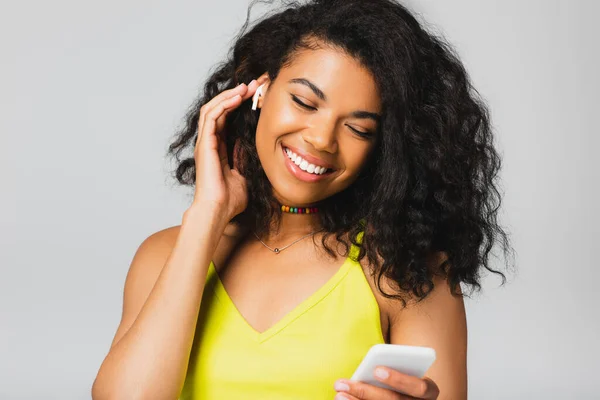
<point>340,396</point>
<point>381,373</point>
<point>251,82</point>
<point>341,386</point>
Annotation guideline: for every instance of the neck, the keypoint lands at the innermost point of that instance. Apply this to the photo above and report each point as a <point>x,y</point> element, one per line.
<point>293,226</point>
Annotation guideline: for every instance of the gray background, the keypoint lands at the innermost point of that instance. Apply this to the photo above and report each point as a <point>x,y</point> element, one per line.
<point>91,93</point>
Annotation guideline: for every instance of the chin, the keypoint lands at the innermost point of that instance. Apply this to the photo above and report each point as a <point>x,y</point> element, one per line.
<point>296,201</point>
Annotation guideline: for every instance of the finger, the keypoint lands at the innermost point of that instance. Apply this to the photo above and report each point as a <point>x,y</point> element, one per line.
<point>246,91</point>
<point>249,92</point>
<point>252,86</point>
<point>208,133</point>
<point>364,391</point>
<point>421,388</point>
<point>211,141</point>
<point>221,120</point>
<point>345,396</point>
<point>240,89</point>
<point>224,95</point>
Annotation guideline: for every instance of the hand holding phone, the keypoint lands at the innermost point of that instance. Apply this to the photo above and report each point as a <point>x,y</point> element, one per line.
<point>410,360</point>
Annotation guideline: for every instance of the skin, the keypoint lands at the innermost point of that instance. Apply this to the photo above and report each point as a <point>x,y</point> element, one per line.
<point>324,131</point>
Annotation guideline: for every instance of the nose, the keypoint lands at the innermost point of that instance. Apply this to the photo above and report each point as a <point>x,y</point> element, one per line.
<point>323,139</point>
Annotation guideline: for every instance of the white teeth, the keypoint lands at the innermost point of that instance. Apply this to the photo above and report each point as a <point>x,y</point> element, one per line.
<point>305,165</point>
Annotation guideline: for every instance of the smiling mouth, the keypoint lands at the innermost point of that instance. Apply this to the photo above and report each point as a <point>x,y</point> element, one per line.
<point>306,166</point>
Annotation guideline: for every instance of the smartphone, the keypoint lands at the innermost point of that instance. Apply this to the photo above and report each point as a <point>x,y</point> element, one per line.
<point>410,360</point>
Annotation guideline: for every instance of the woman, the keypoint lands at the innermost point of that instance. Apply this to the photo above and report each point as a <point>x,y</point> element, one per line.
<point>338,206</point>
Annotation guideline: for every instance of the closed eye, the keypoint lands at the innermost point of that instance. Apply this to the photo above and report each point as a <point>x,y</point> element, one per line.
<point>362,134</point>
<point>296,100</point>
<point>366,135</point>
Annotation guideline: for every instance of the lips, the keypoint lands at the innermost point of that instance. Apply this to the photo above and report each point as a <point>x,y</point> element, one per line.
<point>310,158</point>
<point>298,173</point>
<point>303,164</point>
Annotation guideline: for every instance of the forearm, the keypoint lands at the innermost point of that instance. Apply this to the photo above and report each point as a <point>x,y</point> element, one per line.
<point>150,360</point>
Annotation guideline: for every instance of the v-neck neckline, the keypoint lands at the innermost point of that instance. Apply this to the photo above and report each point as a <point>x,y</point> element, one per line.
<point>289,317</point>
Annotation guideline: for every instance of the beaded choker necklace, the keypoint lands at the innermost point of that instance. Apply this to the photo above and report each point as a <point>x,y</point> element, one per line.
<point>300,210</point>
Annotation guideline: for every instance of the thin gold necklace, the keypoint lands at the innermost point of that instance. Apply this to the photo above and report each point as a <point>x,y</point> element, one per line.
<point>277,250</point>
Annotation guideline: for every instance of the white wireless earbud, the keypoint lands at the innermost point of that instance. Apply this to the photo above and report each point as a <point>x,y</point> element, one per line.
<point>255,97</point>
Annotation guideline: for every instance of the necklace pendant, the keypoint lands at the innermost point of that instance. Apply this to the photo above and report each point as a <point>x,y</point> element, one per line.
<point>276,250</point>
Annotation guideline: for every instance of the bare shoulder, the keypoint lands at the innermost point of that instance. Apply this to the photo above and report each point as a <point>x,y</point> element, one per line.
<point>147,264</point>
<point>144,269</point>
<point>154,251</point>
<point>387,306</point>
<point>157,246</point>
<point>148,261</point>
<point>391,309</point>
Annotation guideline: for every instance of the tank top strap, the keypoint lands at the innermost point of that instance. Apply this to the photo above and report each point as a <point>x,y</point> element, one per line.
<point>354,250</point>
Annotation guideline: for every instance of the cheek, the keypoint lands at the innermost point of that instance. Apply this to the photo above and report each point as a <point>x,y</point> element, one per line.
<point>274,123</point>
<point>278,117</point>
<point>355,155</point>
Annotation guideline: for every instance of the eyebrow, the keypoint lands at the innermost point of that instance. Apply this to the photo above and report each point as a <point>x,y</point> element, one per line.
<point>319,93</point>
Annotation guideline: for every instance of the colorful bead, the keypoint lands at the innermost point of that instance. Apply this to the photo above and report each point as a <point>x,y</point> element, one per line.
<point>299,210</point>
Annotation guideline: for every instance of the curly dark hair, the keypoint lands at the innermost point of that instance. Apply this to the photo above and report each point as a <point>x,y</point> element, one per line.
<point>429,190</point>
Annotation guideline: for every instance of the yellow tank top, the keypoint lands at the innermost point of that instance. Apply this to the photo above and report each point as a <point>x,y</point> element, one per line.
<point>300,357</point>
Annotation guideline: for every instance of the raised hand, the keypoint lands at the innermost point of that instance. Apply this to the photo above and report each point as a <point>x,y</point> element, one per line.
<point>219,188</point>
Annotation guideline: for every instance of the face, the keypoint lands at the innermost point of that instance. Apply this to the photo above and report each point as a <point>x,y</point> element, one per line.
<point>317,126</point>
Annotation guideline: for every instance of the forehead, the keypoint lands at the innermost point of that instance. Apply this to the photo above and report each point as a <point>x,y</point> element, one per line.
<point>341,77</point>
